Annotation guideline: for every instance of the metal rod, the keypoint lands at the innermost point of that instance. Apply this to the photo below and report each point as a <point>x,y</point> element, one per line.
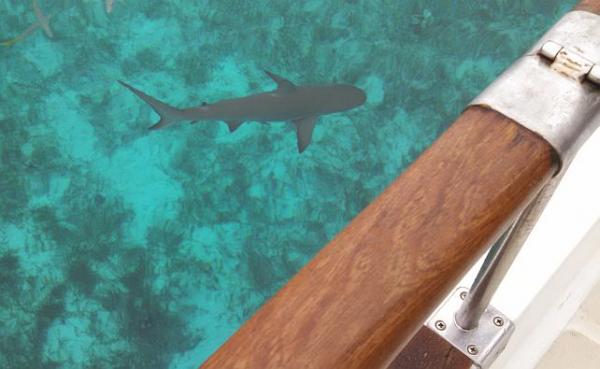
<point>499,259</point>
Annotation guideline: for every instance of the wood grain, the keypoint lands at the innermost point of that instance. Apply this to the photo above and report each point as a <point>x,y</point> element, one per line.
<point>427,350</point>
<point>360,300</point>
<point>592,6</point>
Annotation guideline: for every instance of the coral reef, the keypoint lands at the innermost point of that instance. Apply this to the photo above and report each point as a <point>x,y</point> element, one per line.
<point>124,248</point>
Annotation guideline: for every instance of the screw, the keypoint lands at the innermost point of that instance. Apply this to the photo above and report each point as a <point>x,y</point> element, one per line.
<point>498,321</point>
<point>463,295</point>
<point>472,349</point>
<point>440,325</point>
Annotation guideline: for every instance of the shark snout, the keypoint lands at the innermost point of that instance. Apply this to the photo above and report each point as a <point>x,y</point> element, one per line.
<point>353,96</point>
<point>359,96</point>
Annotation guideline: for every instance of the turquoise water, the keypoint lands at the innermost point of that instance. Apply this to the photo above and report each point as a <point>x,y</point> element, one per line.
<point>127,248</point>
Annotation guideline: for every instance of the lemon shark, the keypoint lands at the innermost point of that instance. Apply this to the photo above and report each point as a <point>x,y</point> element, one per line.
<point>302,105</point>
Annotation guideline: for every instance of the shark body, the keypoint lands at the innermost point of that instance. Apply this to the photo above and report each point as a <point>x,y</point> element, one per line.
<point>302,105</point>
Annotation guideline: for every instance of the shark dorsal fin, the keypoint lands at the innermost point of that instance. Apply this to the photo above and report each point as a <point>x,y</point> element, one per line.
<point>283,85</point>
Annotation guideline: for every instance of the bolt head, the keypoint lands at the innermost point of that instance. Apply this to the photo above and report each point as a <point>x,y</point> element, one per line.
<point>463,295</point>
<point>498,321</point>
<point>440,325</point>
<point>472,349</point>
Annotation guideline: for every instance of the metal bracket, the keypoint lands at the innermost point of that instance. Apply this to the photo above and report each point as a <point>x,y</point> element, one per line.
<point>482,344</point>
<point>465,321</point>
<point>554,89</point>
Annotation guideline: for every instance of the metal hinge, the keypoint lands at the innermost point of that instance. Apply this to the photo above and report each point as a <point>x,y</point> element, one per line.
<point>570,63</point>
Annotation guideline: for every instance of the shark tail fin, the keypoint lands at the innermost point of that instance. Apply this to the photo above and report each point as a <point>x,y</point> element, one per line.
<point>167,113</point>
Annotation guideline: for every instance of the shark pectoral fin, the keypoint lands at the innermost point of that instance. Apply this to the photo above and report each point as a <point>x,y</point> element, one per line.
<point>234,124</point>
<point>283,85</point>
<point>304,130</point>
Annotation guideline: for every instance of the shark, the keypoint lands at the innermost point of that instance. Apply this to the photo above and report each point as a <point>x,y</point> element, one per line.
<point>300,104</point>
<point>42,21</point>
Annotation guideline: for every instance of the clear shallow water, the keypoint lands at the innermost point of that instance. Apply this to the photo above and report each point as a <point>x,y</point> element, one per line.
<point>125,248</point>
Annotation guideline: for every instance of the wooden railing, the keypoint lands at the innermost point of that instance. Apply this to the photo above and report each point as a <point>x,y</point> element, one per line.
<point>363,297</point>
<point>589,5</point>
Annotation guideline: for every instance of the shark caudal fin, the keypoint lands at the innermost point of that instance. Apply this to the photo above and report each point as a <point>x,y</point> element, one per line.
<point>168,114</point>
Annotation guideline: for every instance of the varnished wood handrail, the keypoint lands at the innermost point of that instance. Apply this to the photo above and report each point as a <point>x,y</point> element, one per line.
<point>589,5</point>
<point>368,291</point>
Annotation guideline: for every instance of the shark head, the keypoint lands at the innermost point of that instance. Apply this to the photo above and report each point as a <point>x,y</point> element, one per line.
<point>357,96</point>
<point>346,97</point>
